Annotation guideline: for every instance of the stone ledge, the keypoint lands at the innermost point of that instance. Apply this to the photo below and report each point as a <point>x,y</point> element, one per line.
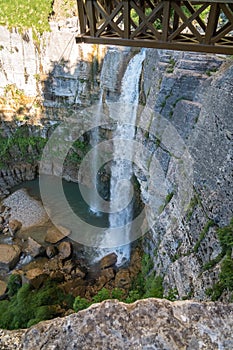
<point>145,324</point>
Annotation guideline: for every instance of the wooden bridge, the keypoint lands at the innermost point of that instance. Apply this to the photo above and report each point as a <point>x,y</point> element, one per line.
<point>203,26</point>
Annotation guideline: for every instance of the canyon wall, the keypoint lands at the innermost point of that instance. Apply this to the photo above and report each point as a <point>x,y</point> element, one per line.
<point>191,136</point>
<point>189,96</point>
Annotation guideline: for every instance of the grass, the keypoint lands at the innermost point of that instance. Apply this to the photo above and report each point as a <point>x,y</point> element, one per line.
<point>25,14</point>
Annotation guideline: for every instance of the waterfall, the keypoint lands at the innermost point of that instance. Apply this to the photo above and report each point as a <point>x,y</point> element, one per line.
<point>95,139</point>
<point>121,170</point>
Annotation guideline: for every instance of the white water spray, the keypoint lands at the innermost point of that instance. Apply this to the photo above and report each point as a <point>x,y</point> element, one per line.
<point>122,171</point>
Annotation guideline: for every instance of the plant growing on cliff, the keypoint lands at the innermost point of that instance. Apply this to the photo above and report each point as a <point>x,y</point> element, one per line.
<point>20,147</point>
<point>225,283</point>
<point>80,304</point>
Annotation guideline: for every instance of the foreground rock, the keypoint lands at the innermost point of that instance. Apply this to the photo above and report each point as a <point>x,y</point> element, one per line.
<point>9,256</point>
<point>146,324</point>
<point>34,248</point>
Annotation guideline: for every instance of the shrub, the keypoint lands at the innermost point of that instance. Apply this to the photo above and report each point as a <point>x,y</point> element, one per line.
<point>225,236</point>
<point>154,287</point>
<point>102,295</point>
<point>80,304</point>
<point>14,284</point>
<point>29,306</point>
<point>132,296</point>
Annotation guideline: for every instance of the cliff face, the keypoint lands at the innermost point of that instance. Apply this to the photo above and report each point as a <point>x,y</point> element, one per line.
<point>191,138</point>
<point>146,324</point>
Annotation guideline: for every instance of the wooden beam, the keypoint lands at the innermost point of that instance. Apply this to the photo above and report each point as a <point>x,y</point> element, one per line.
<point>180,46</point>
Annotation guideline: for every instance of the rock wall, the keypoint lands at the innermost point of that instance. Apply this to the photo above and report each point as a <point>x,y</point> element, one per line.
<point>191,96</point>
<point>146,324</point>
<point>40,83</point>
<point>191,137</point>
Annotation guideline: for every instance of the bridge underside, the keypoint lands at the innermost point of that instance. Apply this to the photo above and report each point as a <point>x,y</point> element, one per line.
<point>203,26</point>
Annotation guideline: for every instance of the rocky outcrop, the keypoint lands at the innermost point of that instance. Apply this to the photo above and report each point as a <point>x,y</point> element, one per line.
<point>190,136</point>
<point>114,325</point>
<point>15,175</point>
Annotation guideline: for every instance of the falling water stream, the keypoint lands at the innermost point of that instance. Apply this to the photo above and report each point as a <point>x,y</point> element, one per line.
<point>121,169</point>
<point>95,139</point>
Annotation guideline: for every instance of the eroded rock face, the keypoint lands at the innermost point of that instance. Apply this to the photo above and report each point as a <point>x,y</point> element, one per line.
<point>191,133</point>
<point>146,324</point>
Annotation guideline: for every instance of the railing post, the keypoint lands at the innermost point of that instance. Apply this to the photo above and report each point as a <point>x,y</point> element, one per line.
<point>166,18</point>
<point>212,22</point>
<point>91,16</point>
<point>126,14</point>
<point>81,16</point>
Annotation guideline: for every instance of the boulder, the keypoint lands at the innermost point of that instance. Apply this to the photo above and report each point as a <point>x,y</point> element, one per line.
<point>51,251</point>
<point>3,289</point>
<point>57,276</point>
<point>75,287</point>
<point>65,250</point>
<point>35,277</point>
<point>68,267</point>
<point>56,234</point>
<point>108,261</point>
<point>9,256</point>
<point>34,248</point>
<point>78,273</point>
<point>14,226</point>
<point>123,279</point>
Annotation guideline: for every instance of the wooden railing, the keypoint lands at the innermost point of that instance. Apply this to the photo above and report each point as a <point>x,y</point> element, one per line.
<point>205,26</point>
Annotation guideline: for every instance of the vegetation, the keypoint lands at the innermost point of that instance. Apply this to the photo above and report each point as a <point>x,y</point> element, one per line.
<point>203,233</point>
<point>171,65</point>
<point>146,285</point>
<point>20,146</point>
<point>225,283</point>
<point>25,14</point>
<point>27,306</point>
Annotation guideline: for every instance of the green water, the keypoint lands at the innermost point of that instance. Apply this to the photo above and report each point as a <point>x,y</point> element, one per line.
<point>74,198</point>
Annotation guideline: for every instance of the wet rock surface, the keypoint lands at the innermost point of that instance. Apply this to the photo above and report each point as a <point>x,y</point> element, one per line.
<point>146,324</point>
